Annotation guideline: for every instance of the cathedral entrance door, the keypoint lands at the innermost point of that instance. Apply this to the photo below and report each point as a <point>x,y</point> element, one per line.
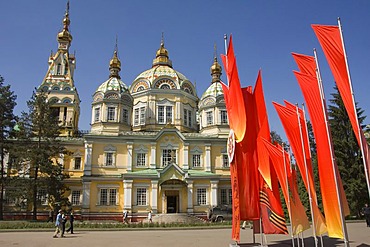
<point>172,201</point>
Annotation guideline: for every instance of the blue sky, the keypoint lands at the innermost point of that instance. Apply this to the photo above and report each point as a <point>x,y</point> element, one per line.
<point>264,33</point>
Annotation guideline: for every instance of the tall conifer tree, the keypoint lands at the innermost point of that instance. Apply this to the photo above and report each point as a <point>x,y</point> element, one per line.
<point>43,151</point>
<point>347,152</point>
<point>7,122</point>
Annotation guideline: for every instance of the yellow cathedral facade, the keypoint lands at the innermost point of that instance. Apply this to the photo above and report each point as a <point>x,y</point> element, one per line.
<point>154,145</point>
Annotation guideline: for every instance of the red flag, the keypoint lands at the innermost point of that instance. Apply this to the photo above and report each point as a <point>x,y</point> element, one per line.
<point>248,170</point>
<point>272,214</point>
<point>281,163</point>
<point>235,109</point>
<point>298,140</point>
<point>332,44</point>
<point>264,130</point>
<point>325,155</point>
<point>306,64</point>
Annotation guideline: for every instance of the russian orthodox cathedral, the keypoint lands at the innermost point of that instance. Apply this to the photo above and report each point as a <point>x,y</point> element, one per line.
<point>154,145</point>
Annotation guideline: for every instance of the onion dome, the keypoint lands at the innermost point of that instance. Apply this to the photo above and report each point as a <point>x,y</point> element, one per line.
<point>115,66</point>
<point>114,82</point>
<point>65,35</point>
<point>161,57</point>
<point>162,75</point>
<point>216,71</point>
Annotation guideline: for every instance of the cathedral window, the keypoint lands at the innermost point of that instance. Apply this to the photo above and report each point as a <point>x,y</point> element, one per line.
<point>209,115</point>
<point>97,114</point>
<point>141,88</point>
<point>108,196</point>
<point>141,160</point>
<point>164,114</point>
<point>223,117</point>
<point>141,196</point>
<point>165,86</point>
<point>59,69</point>
<point>142,115</point>
<point>225,196</point>
<point>125,116</point>
<point>187,118</point>
<point>111,113</point>
<point>201,196</point>
<point>77,163</point>
<point>109,159</point>
<point>76,197</point>
<point>168,156</point>
<point>139,115</point>
<point>197,161</point>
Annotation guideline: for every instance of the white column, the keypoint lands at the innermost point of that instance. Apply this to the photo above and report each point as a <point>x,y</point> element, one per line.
<point>190,196</point>
<point>154,196</point>
<point>129,156</point>
<point>185,165</point>
<point>127,194</point>
<point>153,155</point>
<point>214,187</point>
<point>207,165</point>
<point>86,194</point>
<point>88,153</point>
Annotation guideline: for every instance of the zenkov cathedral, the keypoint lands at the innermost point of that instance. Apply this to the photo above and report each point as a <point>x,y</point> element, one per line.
<point>153,145</point>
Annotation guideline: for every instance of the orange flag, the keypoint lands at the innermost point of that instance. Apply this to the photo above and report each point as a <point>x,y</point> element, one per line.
<point>296,132</point>
<point>328,169</point>
<point>332,44</point>
<point>272,214</point>
<point>281,163</point>
<point>264,130</point>
<point>235,108</point>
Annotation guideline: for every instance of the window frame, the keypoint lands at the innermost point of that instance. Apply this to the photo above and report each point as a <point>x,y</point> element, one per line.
<point>202,196</point>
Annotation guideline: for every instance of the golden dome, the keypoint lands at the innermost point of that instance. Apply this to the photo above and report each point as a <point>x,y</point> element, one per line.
<point>65,35</point>
<point>162,51</point>
<point>161,57</point>
<point>216,67</point>
<point>115,62</point>
<point>115,65</point>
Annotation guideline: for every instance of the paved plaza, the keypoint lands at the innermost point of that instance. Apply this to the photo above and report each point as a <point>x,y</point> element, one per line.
<point>359,235</point>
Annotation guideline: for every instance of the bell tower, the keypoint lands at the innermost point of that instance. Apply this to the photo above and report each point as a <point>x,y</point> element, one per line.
<point>59,82</point>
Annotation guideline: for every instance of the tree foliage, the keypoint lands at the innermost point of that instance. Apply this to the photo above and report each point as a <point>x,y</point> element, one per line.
<point>7,122</point>
<point>42,151</point>
<point>348,154</point>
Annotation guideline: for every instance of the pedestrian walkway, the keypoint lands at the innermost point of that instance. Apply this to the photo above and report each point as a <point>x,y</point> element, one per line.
<point>359,236</point>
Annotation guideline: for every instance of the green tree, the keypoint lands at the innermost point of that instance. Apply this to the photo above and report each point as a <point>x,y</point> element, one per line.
<point>348,154</point>
<point>39,132</point>
<point>7,122</point>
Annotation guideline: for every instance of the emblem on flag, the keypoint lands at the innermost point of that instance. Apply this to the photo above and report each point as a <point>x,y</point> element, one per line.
<point>231,145</point>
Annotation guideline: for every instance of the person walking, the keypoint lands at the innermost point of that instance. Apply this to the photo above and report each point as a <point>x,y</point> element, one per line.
<point>71,220</point>
<point>125,215</point>
<point>58,224</point>
<point>150,216</point>
<point>64,220</point>
<point>366,213</point>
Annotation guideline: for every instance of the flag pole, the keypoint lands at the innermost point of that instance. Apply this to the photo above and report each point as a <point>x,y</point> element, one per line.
<point>307,178</point>
<point>225,41</point>
<point>324,108</point>
<point>287,187</point>
<point>364,159</point>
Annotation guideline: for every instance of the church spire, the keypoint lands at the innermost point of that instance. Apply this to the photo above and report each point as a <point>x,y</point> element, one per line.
<point>115,63</point>
<point>161,57</point>
<point>216,69</point>
<point>64,37</point>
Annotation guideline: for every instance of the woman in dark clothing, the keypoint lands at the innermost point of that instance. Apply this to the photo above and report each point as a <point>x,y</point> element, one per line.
<point>71,219</point>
